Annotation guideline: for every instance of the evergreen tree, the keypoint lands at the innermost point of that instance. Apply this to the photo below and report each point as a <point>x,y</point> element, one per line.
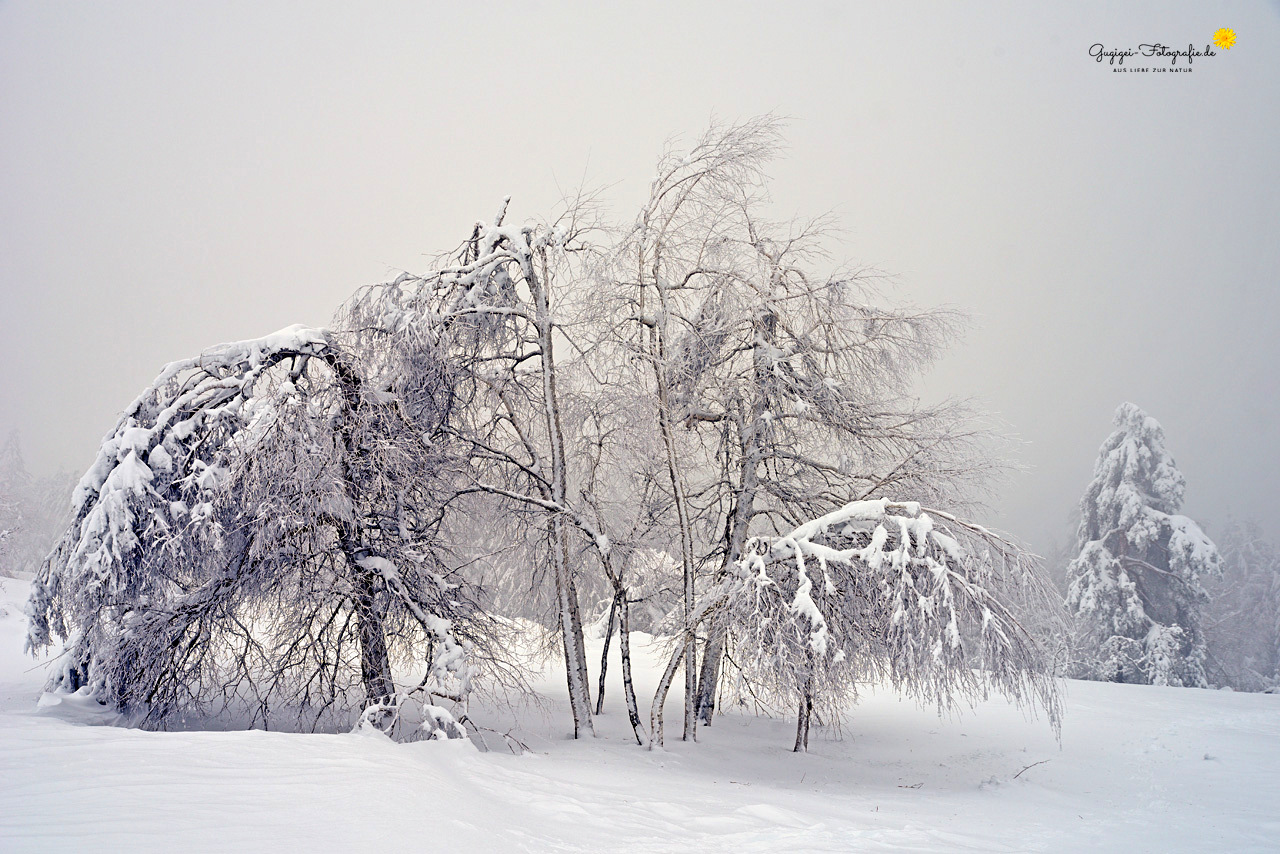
<point>1135,584</point>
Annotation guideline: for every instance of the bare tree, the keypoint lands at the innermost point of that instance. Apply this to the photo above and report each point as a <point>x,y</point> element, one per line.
<point>643,416</point>
<point>494,316</point>
<point>779,393</point>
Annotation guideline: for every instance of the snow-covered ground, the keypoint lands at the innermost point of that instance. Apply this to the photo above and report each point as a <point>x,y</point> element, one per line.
<point>1138,769</point>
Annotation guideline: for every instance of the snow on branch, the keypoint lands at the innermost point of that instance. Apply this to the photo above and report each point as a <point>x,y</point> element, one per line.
<point>157,471</point>
<point>229,550</point>
<point>887,590</point>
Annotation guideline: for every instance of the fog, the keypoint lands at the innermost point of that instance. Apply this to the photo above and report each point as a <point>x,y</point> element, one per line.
<point>172,177</point>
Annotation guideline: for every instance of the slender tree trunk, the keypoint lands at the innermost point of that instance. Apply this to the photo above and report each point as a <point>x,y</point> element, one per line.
<point>623,608</point>
<point>604,656</point>
<point>660,697</point>
<point>752,437</point>
<point>739,527</point>
<point>664,684</point>
<point>709,673</point>
<point>570,617</point>
<point>806,711</point>
<point>690,650</point>
<point>624,647</point>
<point>371,610</point>
<point>657,346</point>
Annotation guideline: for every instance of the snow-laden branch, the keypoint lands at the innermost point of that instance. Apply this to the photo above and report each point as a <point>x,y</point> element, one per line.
<point>233,542</point>
<point>885,589</point>
<point>157,470</point>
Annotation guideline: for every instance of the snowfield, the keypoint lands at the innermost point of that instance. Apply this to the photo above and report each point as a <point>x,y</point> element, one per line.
<point>1139,769</point>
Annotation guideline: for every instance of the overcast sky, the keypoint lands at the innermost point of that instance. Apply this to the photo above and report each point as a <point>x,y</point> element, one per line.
<point>174,176</point>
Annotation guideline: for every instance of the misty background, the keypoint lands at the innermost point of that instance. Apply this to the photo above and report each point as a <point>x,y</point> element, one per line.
<point>172,177</point>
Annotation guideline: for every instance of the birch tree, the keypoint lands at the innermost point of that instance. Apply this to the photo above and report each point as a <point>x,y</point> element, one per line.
<point>256,537</point>
<point>881,591</point>
<point>493,314</point>
<point>780,392</point>
<point>680,397</point>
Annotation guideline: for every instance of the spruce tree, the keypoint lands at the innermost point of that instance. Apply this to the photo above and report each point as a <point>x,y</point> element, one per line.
<point>1135,585</point>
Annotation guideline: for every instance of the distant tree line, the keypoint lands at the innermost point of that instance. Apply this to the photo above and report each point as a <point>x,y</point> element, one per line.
<point>34,511</point>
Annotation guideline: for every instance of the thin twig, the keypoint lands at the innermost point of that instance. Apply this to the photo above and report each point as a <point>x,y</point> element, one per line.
<point>1032,765</point>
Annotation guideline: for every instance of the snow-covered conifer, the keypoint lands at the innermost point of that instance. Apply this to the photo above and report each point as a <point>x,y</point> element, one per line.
<point>1135,586</point>
<point>14,483</point>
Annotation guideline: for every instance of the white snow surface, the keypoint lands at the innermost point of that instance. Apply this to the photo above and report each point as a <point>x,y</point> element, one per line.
<point>1139,769</point>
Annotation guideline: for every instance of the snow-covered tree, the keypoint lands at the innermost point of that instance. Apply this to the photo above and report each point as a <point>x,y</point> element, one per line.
<point>779,391</point>
<point>1135,586</point>
<point>880,591</point>
<point>6,533</point>
<point>1243,620</point>
<point>257,537</point>
<point>637,414</point>
<point>494,315</point>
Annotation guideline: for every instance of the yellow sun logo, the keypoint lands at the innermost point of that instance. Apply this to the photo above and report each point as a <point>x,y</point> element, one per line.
<point>1224,38</point>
